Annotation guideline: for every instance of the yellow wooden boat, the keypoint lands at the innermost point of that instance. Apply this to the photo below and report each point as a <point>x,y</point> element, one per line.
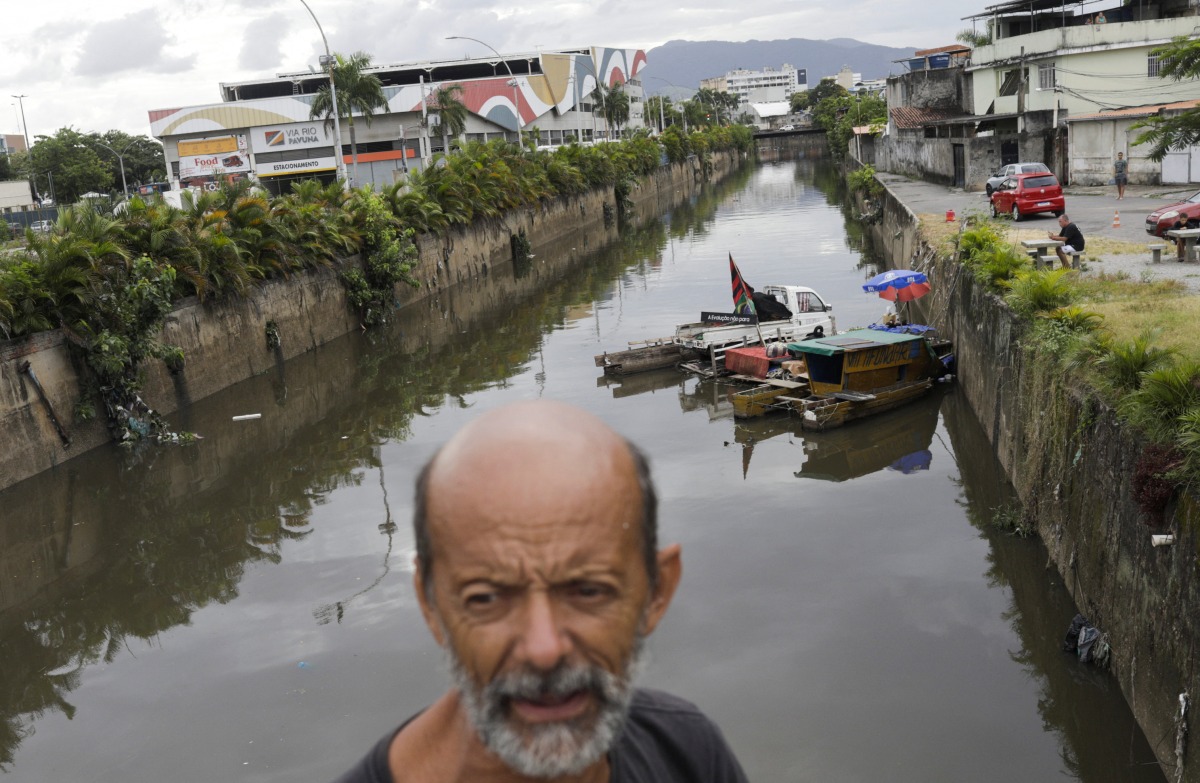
<point>849,376</point>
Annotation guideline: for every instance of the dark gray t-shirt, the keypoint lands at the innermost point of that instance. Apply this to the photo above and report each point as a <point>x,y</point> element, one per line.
<point>665,740</point>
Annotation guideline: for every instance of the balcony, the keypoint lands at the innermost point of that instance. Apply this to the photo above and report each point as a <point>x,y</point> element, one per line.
<point>1083,38</point>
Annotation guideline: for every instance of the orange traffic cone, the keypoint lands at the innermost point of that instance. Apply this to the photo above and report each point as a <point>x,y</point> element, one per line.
<point>1117,219</point>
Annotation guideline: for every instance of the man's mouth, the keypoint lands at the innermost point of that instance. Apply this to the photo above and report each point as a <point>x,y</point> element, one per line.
<point>547,708</point>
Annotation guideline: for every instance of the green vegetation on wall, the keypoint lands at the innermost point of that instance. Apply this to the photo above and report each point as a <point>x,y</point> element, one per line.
<point>108,277</point>
<point>1072,347</point>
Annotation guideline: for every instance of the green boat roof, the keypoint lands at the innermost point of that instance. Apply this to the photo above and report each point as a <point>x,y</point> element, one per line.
<point>853,340</point>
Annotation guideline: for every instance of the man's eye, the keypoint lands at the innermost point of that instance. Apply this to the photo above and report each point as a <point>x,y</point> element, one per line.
<point>480,600</point>
<point>588,590</point>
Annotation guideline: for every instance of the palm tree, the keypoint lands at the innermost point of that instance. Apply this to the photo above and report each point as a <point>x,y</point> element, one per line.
<point>597,97</point>
<point>614,104</point>
<point>447,102</point>
<point>616,107</point>
<point>357,92</point>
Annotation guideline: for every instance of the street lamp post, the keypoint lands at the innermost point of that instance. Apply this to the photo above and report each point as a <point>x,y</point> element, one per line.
<point>120,159</point>
<point>28,149</point>
<point>328,62</point>
<point>511,77</point>
<point>24,127</point>
<point>682,111</point>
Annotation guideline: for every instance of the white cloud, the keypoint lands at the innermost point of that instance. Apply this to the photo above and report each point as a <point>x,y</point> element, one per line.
<point>106,65</point>
<point>262,46</point>
<point>137,42</point>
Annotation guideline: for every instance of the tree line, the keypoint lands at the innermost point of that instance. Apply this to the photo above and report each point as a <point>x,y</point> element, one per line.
<point>70,163</point>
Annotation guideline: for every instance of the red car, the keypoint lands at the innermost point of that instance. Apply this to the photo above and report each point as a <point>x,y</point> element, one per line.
<point>1027,194</point>
<point>1182,214</point>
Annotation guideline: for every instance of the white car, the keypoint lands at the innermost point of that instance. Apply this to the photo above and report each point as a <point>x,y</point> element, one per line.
<point>788,128</point>
<point>1011,170</point>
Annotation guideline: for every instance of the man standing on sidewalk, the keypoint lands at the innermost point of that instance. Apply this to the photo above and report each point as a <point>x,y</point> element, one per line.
<point>1071,237</point>
<point>1120,174</point>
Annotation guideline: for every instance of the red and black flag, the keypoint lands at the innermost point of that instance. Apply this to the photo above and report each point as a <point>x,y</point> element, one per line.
<point>742,301</point>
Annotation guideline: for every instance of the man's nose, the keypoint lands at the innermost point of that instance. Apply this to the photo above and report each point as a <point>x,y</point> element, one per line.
<point>544,641</point>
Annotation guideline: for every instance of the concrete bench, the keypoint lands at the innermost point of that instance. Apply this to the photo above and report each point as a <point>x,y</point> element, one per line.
<point>1156,249</point>
<point>1050,260</point>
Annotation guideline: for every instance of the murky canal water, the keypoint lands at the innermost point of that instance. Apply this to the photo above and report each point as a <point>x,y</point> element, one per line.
<point>242,610</point>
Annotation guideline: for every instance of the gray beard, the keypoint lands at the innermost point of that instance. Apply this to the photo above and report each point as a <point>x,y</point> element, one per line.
<point>549,750</point>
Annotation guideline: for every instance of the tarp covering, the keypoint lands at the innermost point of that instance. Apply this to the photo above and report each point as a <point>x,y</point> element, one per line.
<point>751,360</point>
<point>854,340</point>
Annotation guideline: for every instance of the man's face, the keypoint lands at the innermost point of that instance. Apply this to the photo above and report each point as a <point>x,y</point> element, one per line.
<point>540,596</point>
<point>1062,222</point>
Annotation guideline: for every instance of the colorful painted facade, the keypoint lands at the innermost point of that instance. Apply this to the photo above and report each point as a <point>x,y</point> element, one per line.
<point>273,136</point>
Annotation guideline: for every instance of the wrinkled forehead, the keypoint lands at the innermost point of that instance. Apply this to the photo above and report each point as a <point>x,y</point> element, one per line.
<point>513,480</point>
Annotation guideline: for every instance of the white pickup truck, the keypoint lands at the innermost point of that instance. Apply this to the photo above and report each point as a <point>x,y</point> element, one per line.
<point>809,311</point>
<point>708,341</point>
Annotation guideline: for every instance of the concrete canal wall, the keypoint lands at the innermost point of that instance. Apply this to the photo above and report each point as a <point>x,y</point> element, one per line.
<point>1072,461</point>
<point>225,342</point>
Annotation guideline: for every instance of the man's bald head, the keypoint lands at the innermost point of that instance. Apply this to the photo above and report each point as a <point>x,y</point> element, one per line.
<point>532,447</point>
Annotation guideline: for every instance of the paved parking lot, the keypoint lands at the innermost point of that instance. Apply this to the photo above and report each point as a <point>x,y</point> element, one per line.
<point>1092,208</point>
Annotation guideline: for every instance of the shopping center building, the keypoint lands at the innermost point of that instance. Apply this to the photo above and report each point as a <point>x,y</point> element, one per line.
<point>261,130</point>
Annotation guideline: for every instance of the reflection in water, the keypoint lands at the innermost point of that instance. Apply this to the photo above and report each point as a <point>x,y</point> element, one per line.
<point>337,610</point>
<point>896,440</point>
<point>99,563</point>
<point>1071,693</point>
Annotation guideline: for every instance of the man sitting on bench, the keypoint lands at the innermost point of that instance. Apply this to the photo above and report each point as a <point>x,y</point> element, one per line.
<point>1181,243</point>
<point>1071,237</point>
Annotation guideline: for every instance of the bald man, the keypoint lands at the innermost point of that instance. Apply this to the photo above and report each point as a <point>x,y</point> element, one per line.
<point>538,573</point>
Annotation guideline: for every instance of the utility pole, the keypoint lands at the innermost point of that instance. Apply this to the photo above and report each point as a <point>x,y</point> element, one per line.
<point>424,140</point>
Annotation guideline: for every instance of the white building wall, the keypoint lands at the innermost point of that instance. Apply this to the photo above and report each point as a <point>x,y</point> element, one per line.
<point>744,83</point>
<point>1097,67</point>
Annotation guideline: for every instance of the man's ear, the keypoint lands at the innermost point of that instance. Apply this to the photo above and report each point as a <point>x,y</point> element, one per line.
<point>670,571</point>
<point>428,611</point>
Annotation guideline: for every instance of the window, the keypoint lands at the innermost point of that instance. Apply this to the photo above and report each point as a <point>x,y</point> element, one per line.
<point>1040,182</point>
<point>1152,65</point>
<point>1046,80</point>
<point>1012,80</point>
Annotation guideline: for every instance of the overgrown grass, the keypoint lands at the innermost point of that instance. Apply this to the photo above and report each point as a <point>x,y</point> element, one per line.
<point>1130,342</point>
<point>1169,314</point>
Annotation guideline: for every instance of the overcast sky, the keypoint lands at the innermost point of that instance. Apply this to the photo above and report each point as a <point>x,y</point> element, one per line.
<point>96,66</point>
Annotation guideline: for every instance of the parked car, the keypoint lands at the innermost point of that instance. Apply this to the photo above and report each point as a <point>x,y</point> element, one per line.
<point>1011,170</point>
<point>1184,213</point>
<point>788,128</point>
<point>42,226</point>
<point>1028,194</point>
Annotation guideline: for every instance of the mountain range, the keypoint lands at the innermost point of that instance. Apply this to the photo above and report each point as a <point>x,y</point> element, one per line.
<point>676,67</point>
